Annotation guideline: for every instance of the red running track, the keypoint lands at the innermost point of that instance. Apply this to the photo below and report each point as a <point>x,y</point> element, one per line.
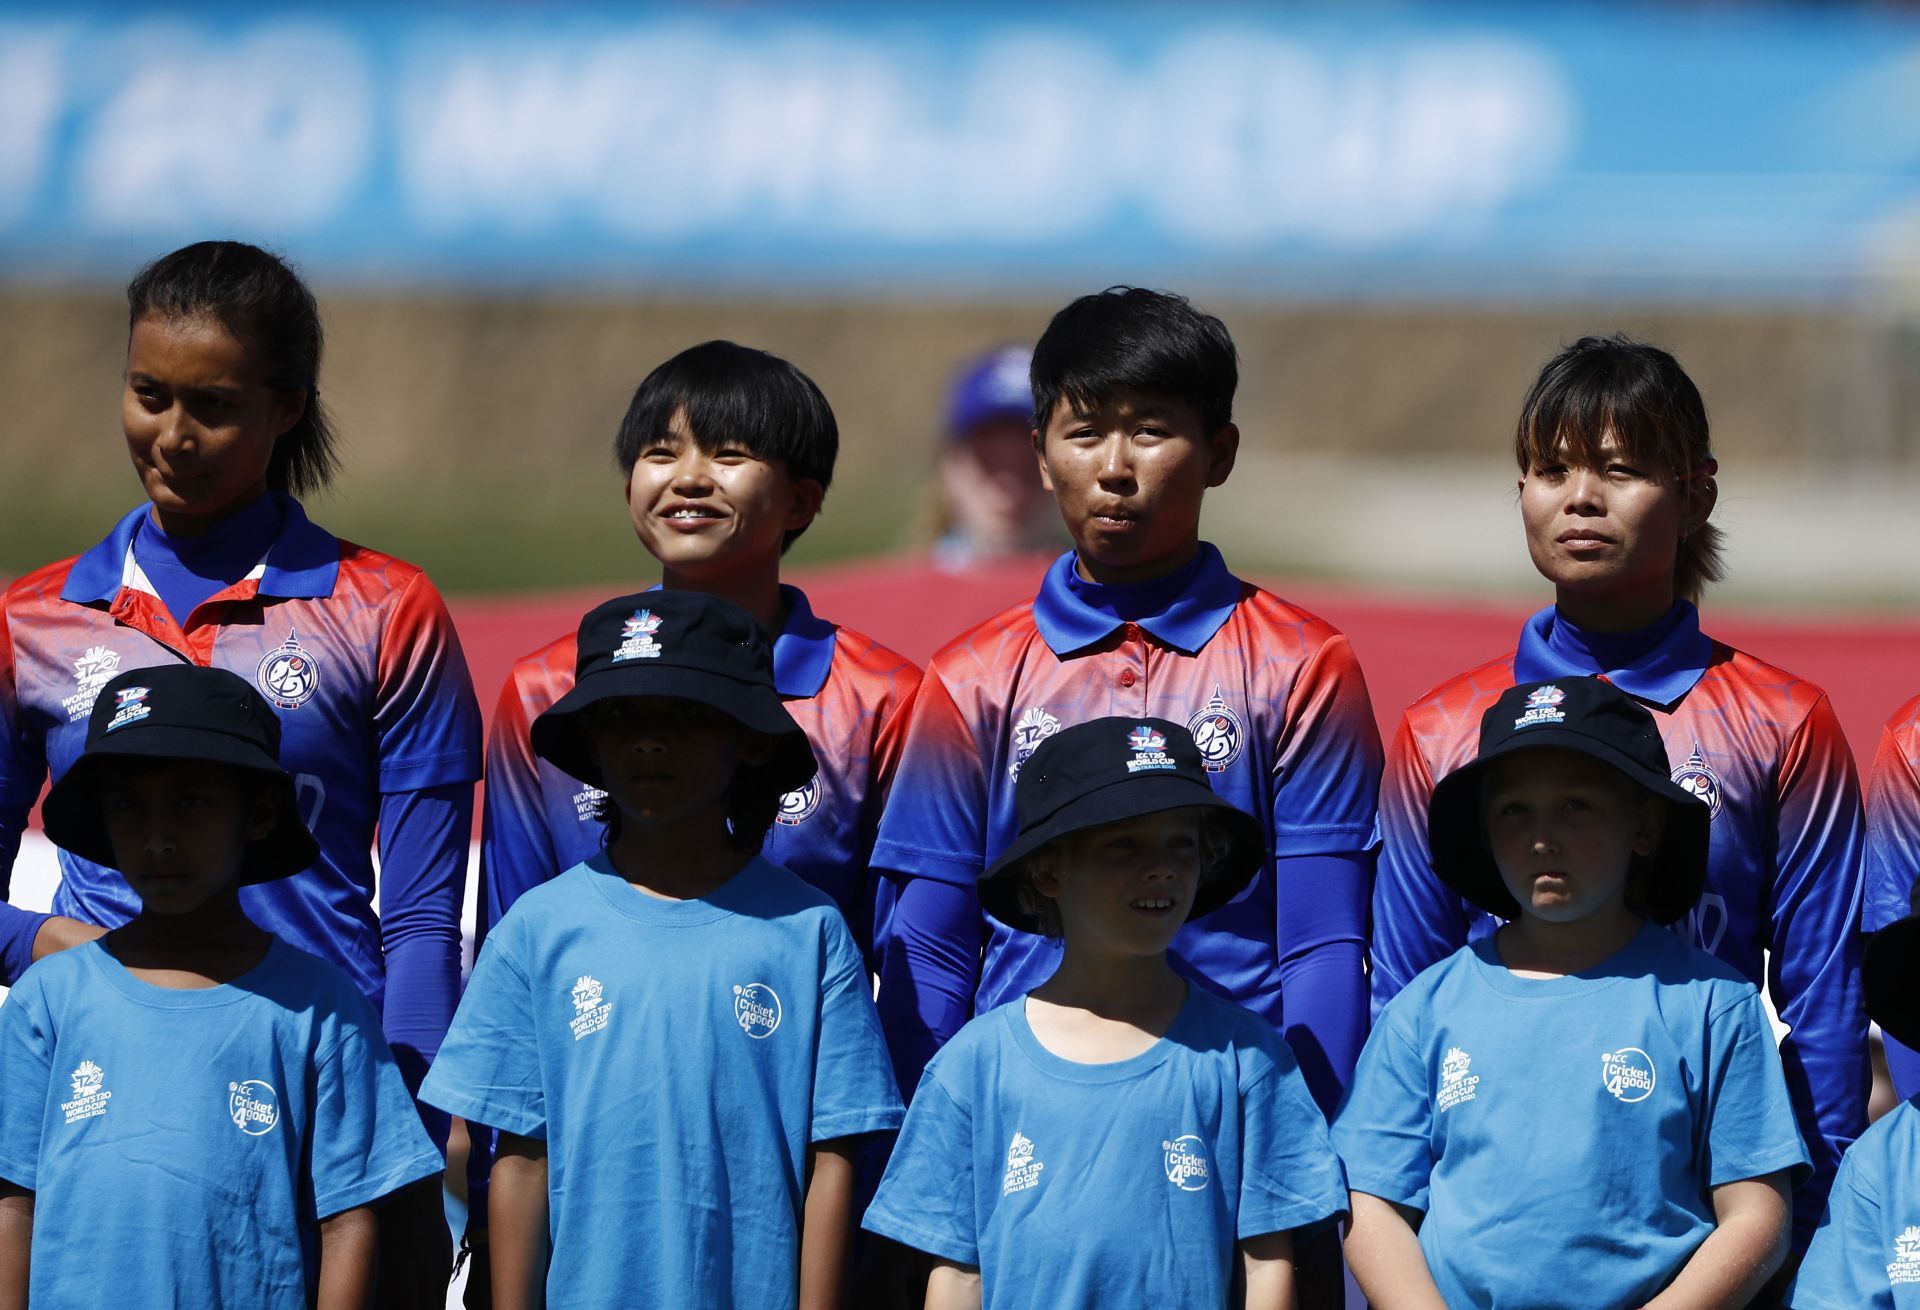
<point>1869,666</point>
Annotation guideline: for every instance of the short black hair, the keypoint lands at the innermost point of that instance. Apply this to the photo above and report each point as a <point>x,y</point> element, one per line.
<point>262,303</point>
<point>1640,395</point>
<point>734,393</point>
<point>753,801</point>
<point>1132,339</point>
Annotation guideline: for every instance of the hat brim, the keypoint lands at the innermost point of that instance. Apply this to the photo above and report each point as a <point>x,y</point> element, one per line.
<point>74,813</point>
<point>1890,980</point>
<point>1463,859</point>
<point>559,734</point>
<point>1129,798</point>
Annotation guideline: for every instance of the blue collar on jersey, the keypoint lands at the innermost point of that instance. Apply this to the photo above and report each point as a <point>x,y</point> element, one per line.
<point>1658,664</point>
<point>803,652</point>
<point>302,563</point>
<point>1068,623</point>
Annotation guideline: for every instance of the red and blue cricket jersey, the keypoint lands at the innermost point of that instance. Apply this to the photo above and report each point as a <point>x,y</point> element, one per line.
<point>843,689</point>
<point>1783,894</point>
<point>358,656</point>
<point>1277,703</point>
<point>1893,850</point>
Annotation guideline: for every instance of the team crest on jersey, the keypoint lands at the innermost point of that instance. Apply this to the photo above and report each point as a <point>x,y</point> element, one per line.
<point>1458,1082</point>
<point>1217,732</point>
<point>591,1009</point>
<point>1023,1170</point>
<point>756,1008</point>
<point>1698,777</point>
<point>287,675</point>
<point>1185,1159</point>
<point>1149,750</point>
<point>798,805</point>
<point>253,1106</point>
<point>90,1096</point>
<point>1034,727</point>
<point>1627,1074</point>
<point>129,706</point>
<point>636,638</point>
<point>1906,1257</point>
<point>91,672</point>
<point>1543,706</point>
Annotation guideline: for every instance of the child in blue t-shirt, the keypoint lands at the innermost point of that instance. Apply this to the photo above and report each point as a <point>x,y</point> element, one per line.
<point>192,1113</point>
<point>1866,1253</point>
<point>1120,1135</point>
<point>674,1039</point>
<point>1583,1109</point>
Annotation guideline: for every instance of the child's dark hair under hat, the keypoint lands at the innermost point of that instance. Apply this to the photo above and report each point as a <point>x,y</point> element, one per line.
<point>179,713</point>
<point>1591,717</point>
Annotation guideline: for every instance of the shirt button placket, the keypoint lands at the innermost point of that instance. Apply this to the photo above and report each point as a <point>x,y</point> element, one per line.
<point>1132,680</point>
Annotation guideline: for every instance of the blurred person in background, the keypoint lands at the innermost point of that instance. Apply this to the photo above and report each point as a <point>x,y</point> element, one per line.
<point>1617,489</point>
<point>987,499</point>
<point>354,649</point>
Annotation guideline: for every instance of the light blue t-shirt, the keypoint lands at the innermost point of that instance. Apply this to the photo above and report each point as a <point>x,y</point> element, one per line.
<point>678,1057</point>
<point>182,1146</point>
<point>1866,1252</point>
<point>1096,1185</point>
<point>1563,1134</point>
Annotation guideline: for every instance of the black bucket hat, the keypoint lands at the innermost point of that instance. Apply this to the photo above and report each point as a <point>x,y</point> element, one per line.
<point>1111,769</point>
<point>1590,717</point>
<point>179,712</point>
<point>685,645</point>
<point>1890,976</point>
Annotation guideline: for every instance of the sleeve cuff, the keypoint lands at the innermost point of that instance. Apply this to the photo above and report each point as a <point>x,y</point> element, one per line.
<point>431,771</point>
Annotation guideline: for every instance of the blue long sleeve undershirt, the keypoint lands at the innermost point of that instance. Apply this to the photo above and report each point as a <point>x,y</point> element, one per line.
<point>185,571</point>
<point>423,880</point>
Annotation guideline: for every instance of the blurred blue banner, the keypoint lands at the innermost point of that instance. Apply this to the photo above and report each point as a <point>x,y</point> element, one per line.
<point>979,149</point>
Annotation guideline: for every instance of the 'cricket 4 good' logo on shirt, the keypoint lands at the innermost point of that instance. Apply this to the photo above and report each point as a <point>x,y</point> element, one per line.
<point>1034,727</point>
<point>756,1008</point>
<point>1217,732</point>
<point>590,1011</point>
<point>1906,1257</point>
<point>1185,1160</point>
<point>1627,1074</point>
<point>89,1095</point>
<point>253,1106</point>
<point>1456,1083</point>
<point>1023,1171</point>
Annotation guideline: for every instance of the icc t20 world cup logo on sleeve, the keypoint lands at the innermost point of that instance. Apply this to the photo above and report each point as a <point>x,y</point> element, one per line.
<point>287,675</point>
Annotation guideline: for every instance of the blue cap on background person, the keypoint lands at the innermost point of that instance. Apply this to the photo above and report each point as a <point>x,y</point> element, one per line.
<point>990,387</point>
